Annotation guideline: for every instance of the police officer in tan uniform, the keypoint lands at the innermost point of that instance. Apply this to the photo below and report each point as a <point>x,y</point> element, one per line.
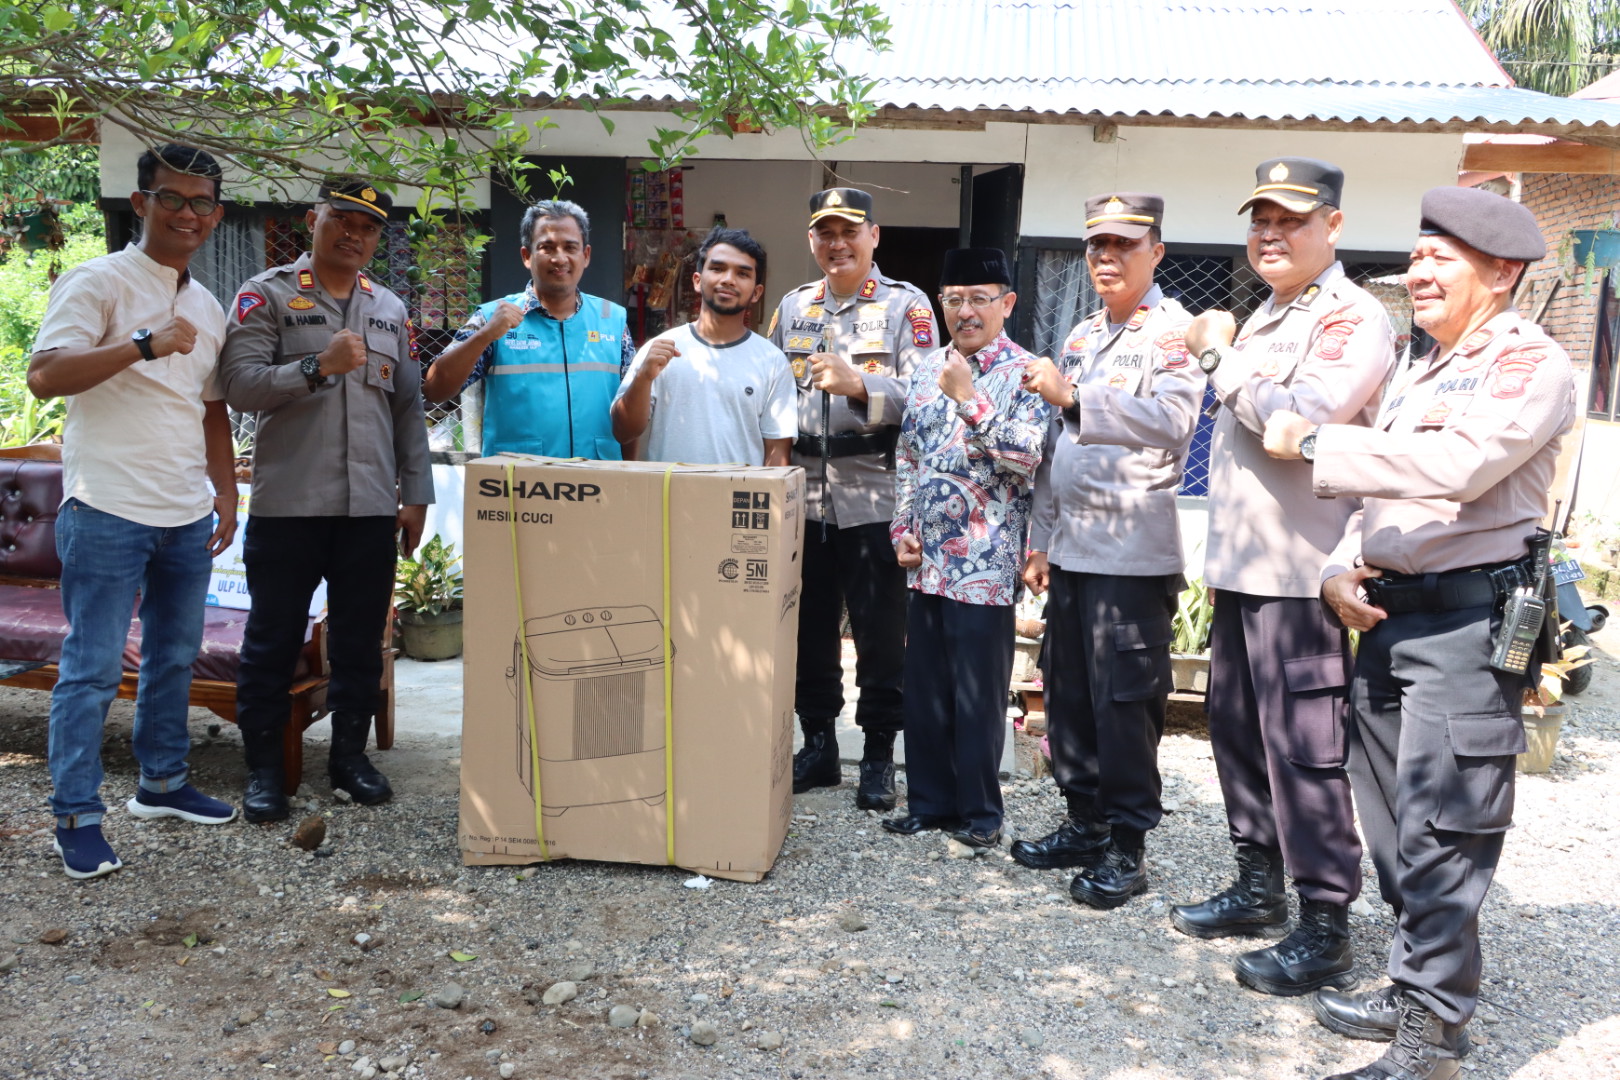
<point>1322,347</point>
<point>340,473</point>
<point>853,338</point>
<point>1454,479</point>
<point>1106,543</point>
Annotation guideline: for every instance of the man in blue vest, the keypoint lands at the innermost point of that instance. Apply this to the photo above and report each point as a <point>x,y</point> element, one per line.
<point>552,355</point>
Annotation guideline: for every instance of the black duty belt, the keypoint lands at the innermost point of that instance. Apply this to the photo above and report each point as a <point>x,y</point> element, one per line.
<point>1453,590</point>
<point>848,444</point>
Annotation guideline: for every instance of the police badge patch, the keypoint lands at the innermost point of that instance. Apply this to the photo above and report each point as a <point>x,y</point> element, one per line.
<point>246,302</point>
<point>1174,348</point>
<point>922,326</point>
<point>300,303</point>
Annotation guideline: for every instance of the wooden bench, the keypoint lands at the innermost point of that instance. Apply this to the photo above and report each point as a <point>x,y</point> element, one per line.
<point>32,624</point>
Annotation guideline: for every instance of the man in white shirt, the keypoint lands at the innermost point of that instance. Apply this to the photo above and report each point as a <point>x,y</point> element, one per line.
<point>713,391</point>
<point>133,342</point>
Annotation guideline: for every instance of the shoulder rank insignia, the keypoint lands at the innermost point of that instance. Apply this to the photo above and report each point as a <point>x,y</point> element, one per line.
<point>300,303</point>
<point>922,326</point>
<point>306,279</point>
<point>868,290</point>
<point>1138,317</point>
<point>365,282</point>
<point>1475,341</point>
<point>820,293</point>
<point>246,302</point>
<point>1308,297</point>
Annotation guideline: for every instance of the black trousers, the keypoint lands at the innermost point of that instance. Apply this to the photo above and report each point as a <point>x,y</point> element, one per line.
<point>1279,675</point>
<point>958,673</point>
<point>286,558</point>
<point>852,566</point>
<point>1433,734</point>
<point>1107,680</point>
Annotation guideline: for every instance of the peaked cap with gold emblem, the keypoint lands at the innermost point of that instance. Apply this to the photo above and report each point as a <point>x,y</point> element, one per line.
<point>1126,213</point>
<point>851,204</point>
<point>1296,183</point>
<point>356,195</point>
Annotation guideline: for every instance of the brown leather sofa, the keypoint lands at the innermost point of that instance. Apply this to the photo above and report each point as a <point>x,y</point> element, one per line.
<point>32,625</point>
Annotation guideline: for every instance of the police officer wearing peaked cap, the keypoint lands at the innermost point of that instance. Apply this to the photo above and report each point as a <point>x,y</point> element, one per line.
<point>853,338</point>
<point>340,469</point>
<point>1454,479</point>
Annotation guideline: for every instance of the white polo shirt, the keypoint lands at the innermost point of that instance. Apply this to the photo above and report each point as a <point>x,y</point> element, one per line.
<point>133,445</point>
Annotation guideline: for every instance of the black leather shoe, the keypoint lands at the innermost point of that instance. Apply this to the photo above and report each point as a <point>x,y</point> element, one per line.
<point>1118,876</point>
<point>876,791</point>
<point>1425,1048</point>
<point>912,824</point>
<point>264,799</point>
<point>1070,844</point>
<point>1371,1014</point>
<point>1318,953</point>
<point>816,765</point>
<point>1252,905</point>
<point>347,765</point>
<point>974,839</point>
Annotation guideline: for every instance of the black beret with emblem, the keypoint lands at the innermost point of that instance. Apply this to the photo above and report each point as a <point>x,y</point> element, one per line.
<point>975,266</point>
<point>356,195</point>
<point>849,203</point>
<point>1128,213</point>
<point>1296,183</point>
<point>1489,223</point>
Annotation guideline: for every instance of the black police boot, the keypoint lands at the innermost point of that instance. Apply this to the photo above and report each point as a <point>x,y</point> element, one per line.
<point>876,791</point>
<point>347,765</point>
<point>1371,1014</point>
<point>817,764</point>
<point>1425,1048</point>
<point>1119,875</point>
<point>1318,953</point>
<point>1079,840</point>
<point>266,797</point>
<point>1255,902</point>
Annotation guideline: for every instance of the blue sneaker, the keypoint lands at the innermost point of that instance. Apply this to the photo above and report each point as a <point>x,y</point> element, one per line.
<point>184,802</point>
<point>85,852</point>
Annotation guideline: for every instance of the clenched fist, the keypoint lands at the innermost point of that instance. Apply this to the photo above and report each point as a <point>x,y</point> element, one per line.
<point>659,354</point>
<point>1212,327</point>
<point>832,373</point>
<point>505,318</point>
<point>956,378</point>
<point>1042,377</point>
<point>345,352</point>
<point>179,336</point>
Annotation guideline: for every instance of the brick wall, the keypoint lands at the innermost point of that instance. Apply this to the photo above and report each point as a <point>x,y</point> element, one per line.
<point>1563,202</point>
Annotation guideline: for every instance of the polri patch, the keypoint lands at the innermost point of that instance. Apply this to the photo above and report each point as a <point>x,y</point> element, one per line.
<point>922,326</point>
<point>1174,347</point>
<point>246,302</point>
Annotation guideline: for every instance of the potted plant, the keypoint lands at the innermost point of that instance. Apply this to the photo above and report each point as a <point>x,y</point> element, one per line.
<point>1189,648</point>
<point>1544,709</point>
<point>427,593</point>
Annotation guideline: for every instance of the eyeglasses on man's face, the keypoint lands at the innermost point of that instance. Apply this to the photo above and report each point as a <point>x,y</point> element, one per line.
<point>201,205</point>
<point>977,301</point>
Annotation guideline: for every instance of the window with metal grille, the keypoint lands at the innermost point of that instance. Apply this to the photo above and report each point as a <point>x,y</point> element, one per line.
<point>1199,280</point>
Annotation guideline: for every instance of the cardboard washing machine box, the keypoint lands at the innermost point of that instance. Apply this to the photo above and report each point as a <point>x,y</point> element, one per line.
<point>617,777</point>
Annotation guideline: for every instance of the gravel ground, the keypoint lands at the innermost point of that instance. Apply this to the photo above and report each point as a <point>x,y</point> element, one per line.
<point>227,951</point>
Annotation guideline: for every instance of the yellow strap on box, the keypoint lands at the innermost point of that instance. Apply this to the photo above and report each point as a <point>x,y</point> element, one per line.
<point>669,693</point>
<point>527,676</point>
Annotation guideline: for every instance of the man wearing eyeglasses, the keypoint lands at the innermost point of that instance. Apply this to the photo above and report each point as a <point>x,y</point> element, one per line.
<point>969,446</point>
<point>132,342</point>
<point>1105,546</point>
<point>853,338</point>
<point>340,469</point>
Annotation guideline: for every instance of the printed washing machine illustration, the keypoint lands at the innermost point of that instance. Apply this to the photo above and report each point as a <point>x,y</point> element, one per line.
<point>612,659</point>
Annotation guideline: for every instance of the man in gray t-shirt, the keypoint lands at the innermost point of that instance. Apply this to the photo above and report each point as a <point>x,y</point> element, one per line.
<point>713,391</point>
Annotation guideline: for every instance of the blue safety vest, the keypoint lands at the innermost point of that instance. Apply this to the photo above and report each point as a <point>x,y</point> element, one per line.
<point>550,384</point>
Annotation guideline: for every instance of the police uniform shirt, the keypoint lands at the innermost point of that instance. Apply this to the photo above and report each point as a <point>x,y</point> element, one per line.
<point>1457,469</point>
<point>1326,356</point>
<point>341,449</point>
<point>1105,499</point>
<point>883,332</point>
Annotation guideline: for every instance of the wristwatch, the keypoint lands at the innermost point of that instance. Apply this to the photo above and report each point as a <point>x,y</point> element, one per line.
<point>143,341</point>
<point>1074,396</point>
<point>1307,445</point>
<point>310,366</point>
<point>1210,359</point>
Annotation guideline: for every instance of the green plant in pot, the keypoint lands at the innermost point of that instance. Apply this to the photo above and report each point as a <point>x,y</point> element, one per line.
<point>1189,648</point>
<point>427,594</point>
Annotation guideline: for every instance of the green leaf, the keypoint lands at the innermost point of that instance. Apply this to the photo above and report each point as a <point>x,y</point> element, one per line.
<point>189,941</point>
<point>332,991</point>
<point>462,958</point>
<point>57,20</point>
<point>411,995</point>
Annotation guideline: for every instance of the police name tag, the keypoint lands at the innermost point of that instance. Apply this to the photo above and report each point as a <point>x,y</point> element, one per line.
<point>1567,571</point>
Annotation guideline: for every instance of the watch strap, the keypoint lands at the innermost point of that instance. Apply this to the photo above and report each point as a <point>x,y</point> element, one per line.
<point>143,341</point>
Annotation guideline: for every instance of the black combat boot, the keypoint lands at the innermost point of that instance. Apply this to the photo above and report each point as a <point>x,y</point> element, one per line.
<point>348,767</point>
<point>1079,840</point>
<point>876,791</point>
<point>266,795</point>
<point>1119,875</point>
<point>1255,902</point>
<point>1425,1048</point>
<point>1371,1014</point>
<point>1318,953</point>
<point>817,764</point>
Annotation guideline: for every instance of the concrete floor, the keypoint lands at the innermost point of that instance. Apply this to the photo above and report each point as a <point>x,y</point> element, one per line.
<point>429,703</point>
